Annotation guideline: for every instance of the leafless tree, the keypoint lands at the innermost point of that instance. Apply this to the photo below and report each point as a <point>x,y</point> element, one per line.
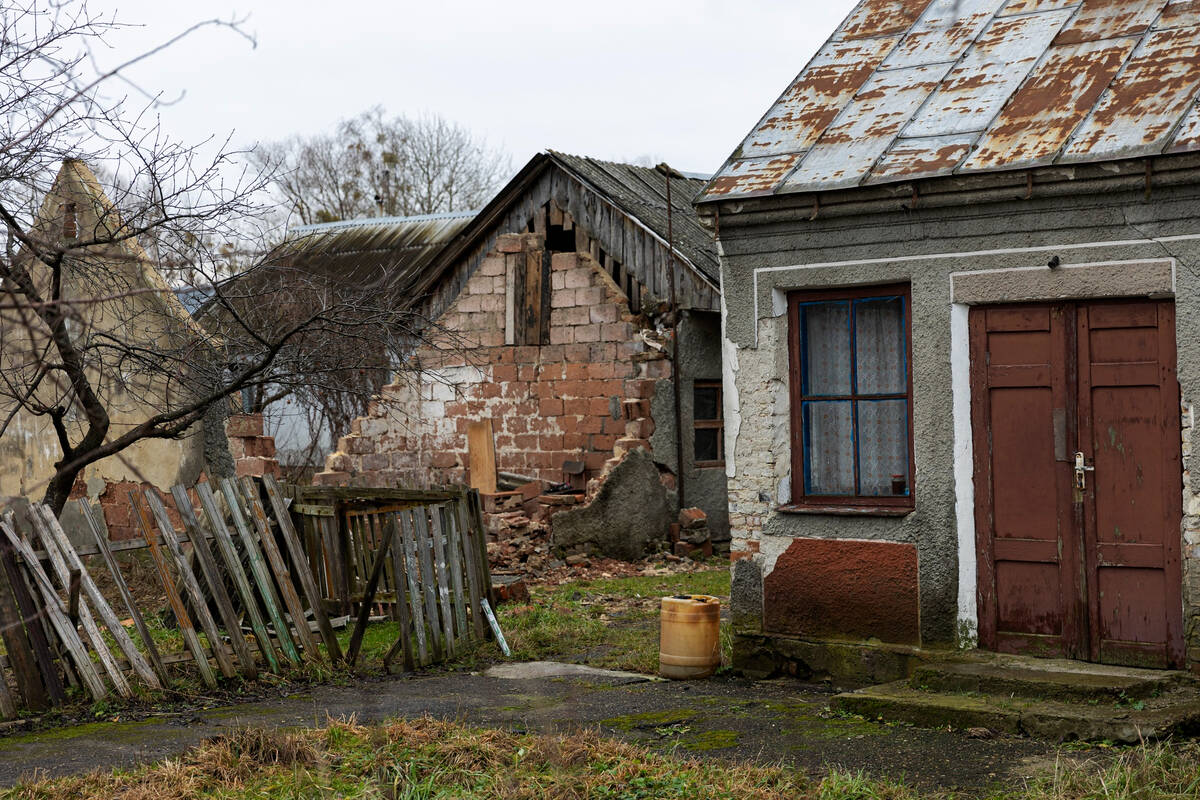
<point>94,344</point>
<point>373,165</point>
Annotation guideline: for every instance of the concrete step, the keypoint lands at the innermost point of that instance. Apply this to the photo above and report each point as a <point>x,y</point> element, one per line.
<point>1047,680</point>
<point>1177,712</point>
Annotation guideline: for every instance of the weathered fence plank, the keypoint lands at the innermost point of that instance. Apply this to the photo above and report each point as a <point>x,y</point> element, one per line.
<point>130,605</point>
<point>307,580</point>
<point>233,565</point>
<point>283,576</point>
<point>181,616</point>
<point>216,586</point>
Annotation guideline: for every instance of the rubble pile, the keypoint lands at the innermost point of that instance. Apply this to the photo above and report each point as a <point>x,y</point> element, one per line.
<point>690,536</point>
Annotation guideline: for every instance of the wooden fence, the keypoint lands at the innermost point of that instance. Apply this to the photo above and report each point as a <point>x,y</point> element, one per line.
<point>418,556</point>
<point>239,585</point>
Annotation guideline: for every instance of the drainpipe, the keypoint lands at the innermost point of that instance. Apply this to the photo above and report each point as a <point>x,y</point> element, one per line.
<point>669,173</point>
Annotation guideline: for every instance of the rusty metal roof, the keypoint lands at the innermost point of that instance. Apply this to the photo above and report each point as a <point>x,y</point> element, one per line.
<point>908,89</point>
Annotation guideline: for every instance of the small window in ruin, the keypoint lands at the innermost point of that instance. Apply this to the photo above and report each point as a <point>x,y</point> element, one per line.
<point>709,424</point>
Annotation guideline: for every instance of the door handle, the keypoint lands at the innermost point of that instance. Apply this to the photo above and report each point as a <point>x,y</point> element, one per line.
<point>1082,468</point>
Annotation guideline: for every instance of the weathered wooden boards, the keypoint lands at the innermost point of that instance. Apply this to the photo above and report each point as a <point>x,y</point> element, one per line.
<point>233,563</point>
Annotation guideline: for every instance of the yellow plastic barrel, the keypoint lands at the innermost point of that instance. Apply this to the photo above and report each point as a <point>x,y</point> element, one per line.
<point>689,644</point>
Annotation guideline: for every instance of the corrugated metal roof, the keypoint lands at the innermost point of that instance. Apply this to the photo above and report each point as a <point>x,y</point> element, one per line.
<point>391,251</point>
<point>910,89</point>
<point>641,192</point>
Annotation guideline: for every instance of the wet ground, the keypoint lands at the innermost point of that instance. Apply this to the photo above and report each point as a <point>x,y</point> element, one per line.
<point>769,722</point>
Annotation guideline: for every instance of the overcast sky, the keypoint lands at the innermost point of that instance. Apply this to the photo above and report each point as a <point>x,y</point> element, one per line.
<point>675,80</point>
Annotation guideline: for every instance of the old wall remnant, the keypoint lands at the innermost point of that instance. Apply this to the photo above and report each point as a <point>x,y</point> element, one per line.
<point>565,400</point>
<point>628,518</point>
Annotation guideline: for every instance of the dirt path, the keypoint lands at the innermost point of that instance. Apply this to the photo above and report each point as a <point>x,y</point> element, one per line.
<point>768,722</point>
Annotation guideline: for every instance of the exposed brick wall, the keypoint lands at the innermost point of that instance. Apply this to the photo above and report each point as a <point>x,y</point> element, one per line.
<point>557,402</point>
<point>119,517</point>
<point>253,453</point>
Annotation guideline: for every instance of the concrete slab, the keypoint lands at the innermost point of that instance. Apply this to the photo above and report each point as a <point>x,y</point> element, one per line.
<point>530,670</point>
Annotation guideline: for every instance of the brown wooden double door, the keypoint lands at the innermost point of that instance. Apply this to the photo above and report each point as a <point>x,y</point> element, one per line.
<point>1078,489</point>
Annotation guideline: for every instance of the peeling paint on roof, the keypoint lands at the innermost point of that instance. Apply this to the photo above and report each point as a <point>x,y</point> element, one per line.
<point>920,88</point>
<point>805,111</point>
<point>846,152</point>
<point>1137,114</point>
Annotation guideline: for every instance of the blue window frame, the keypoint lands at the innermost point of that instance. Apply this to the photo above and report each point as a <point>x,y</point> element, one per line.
<point>852,397</point>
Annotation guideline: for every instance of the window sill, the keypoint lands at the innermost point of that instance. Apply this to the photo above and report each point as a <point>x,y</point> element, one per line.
<point>847,511</point>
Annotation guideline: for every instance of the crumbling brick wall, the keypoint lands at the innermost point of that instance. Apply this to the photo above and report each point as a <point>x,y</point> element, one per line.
<point>550,403</point>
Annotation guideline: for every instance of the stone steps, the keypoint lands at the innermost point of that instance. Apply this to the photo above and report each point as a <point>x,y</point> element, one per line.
<point>1045,699</point>
<point>1040,719</point>
<point>1052,680</point>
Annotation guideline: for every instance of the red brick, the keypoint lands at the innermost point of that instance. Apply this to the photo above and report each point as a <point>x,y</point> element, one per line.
<point>551,441</point>
<point>600,371</point>
<point>244,425</point>
<point>570,388</point>
<point>657,369</point>
<point>604,441</point>
<point>562,335</point>
<point>564,262</point>
<point>590,424</point>
<point>616,332</point>
<point>505,355</point>
<point>443,460</point>
<point>525,441</point>
<point>550,407</point>
<point>575,372</point>
<point>504,372</point>
<point>527,373</point>
<point>602,351</point>
<point>509,243</point>
<point>255,466</point>
<point>598,407</point>
<point>575,441</point>
<point>237,446</point>
<point>586,333</point>
<point>595,461</point>
<point>577,353</point>
<point>604,313</point>
<point>589,297</point>
<point>562,298</point>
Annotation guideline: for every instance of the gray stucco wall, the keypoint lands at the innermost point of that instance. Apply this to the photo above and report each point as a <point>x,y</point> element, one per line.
<point>925,247</point>
<point>699,360</point>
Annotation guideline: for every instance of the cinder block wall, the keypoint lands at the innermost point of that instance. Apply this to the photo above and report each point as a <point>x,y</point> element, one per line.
<point>548,404</point>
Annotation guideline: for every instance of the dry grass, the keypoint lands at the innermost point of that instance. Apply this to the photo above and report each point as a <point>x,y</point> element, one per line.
<point>426,758</point>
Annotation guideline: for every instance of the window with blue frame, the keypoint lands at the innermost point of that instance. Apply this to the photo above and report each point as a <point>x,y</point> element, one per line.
<point>852,397</point>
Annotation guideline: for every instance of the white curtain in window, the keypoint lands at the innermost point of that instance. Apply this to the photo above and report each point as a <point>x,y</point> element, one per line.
<point>879,346</point>
<point>829,447</point>
<point>883,447</point>
<point>826,328</point>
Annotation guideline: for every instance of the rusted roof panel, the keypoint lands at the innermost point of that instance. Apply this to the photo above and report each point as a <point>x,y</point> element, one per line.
<point>1178,13</point>
<point>1137,114</point>
<point>979,86</point>
<point>880,17</point>
<point>927,157</point>
<point>908,90</point>
<point>1188,137</point>
<point>1107,19</point>
<point>751,177</point>
<point>848,150</point>
<point>1035,124</point>
<point>943,33</point>
<point>829,82</point>
<point>1028,6</point>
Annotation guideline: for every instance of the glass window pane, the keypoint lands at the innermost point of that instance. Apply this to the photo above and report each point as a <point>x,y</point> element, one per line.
<point>879,344</point>
<point>825,347</point>
<point>708,444</point>
<point>707,403</point>
<point>829,447</point>
<point>883,448</point>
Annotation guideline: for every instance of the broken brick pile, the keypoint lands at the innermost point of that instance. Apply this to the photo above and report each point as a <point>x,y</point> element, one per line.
<point>690,536</point>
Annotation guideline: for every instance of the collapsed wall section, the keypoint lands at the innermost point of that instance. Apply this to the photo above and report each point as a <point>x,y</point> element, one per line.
<point>556,377</point>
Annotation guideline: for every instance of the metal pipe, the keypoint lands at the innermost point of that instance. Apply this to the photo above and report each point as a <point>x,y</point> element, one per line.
<point>670,173</point>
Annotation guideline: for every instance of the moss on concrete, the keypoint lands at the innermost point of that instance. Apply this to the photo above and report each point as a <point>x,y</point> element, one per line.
<point>650,719</point>
<point>705,741</point>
